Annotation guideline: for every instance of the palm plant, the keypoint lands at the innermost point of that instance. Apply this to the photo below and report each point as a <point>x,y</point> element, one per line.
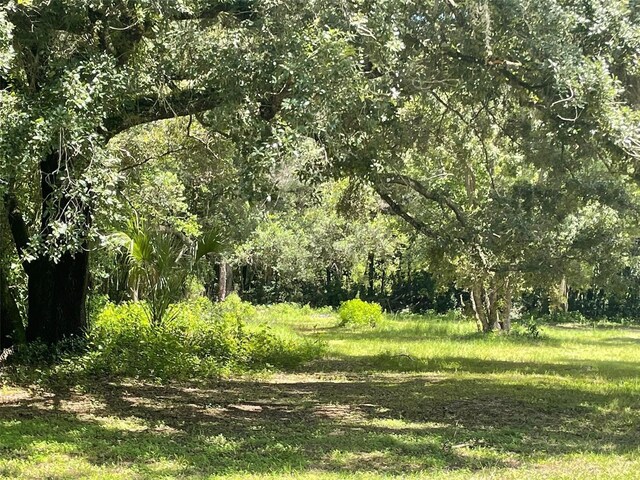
<point>160,263</point>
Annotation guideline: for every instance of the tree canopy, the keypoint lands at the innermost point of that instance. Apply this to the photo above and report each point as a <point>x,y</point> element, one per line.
<point>498,141</point>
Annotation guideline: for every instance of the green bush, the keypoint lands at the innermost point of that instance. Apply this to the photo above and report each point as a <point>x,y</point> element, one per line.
<point>529,328</point>
<point>234,309</point>
<point>286,312</point>
<point>359,312</point>
<point>200,340</point>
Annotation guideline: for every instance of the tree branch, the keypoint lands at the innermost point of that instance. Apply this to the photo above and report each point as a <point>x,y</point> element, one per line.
<point>57,16</point>
<point>399,179</point>
<point>241,9</point>
<point>419,225</point>
<point>146,160</point>
<point>17,225</point>
<point>150,109</point>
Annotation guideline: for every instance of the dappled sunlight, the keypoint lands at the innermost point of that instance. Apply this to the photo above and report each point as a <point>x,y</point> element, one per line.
<point>376,422</point>
<point>375,405</point>
<point>419,345</point>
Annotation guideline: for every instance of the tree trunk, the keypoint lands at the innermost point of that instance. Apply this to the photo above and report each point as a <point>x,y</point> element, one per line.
<point>222,281</point>
<point>493,315</point>
<point>244,276</point>
<point>477,303</point>
<point>229,277</point>
<point>563,291</point>
<point>328,279</point>
<point>11,328</point>
<point>507,307</point>
<point>57,291</point>
<point>57,297</point>
<point>371,274</point>
<point>559,297</point>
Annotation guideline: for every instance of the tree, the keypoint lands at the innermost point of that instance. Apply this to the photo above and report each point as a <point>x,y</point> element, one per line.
<point>72,76</point>
<point>474,126</point>
<point>368,81</point>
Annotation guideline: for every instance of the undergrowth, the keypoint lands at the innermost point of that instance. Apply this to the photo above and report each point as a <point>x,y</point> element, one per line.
<point>359,312</point>
<point>200,340</point>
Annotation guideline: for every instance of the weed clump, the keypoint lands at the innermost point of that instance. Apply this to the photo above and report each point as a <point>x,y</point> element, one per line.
<point>359,312</point>
<point>529,328</point>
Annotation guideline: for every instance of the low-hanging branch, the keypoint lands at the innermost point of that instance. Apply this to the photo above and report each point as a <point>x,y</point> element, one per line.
<point>17,225</point>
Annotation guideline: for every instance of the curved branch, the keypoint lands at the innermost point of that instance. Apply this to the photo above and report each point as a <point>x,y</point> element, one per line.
<point>395,208</point>
<point>399,179</point>
<point>17,225</point>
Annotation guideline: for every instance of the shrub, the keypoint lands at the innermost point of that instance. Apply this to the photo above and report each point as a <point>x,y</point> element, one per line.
<point>359,312</point>
<point>286,312</point>
<point>527,328</point>
<point>266,349</point>
<point>234,309</point>
<point>200,340</point>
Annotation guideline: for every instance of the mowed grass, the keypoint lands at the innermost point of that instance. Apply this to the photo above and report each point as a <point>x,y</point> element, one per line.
<point>413,397</point>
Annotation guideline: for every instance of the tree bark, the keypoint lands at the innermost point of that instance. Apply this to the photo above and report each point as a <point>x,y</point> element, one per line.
<point>57,297</point>
<point>564,295</point>
<point>477,303</point>
<point>11,327</point>
<point>371,275</point>
<point>559,297</point>
<point>57,291</point>
<point>229,287</point>
<point>222,281</point>
<point>493,315</point>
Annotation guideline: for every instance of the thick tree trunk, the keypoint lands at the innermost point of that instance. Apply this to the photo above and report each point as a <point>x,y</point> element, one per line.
<point>57,291</point>
<point>57,297</point>
<point>11,328</point>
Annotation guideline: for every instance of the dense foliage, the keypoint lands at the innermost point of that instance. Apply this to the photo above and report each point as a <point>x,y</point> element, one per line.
<point>202,340</point>
<point>422,154</point>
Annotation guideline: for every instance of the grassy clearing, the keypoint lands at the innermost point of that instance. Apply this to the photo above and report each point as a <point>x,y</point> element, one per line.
<point>410,398</point>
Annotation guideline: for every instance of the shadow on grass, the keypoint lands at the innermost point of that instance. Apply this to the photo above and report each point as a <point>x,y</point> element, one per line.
<point>402,363</point>
<point>413,333</point>
<point>376,423</point>
<point>427,331</point>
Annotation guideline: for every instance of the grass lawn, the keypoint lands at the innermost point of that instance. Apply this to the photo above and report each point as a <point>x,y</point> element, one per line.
<point>413,397</point>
